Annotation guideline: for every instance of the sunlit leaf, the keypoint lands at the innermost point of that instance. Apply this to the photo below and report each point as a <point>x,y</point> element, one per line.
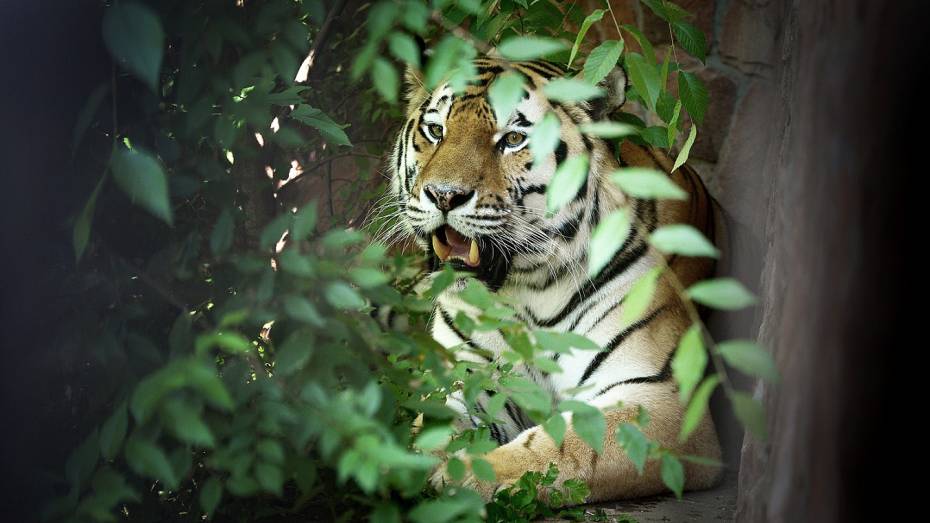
<point>634,443</point>
<point>697,407</point>
<point>565,183</point>
<point>673,474</point>
<point>686,148</point>
<point>529,47</point>
<point>545,137</point>
<point>637,301</point>
<point>689,362</point>
<point>593,17</point>
<point>569,90</point>
<point>608,129</point>
<point>682,239</point>
<point>505,93</point>
<point>646,183</point>
<point>588,422</point>
<point>607,238</point>
<point>721,293</point>
<point>750,358</point>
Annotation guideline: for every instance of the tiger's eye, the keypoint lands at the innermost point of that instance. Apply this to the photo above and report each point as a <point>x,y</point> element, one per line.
<point>513,138</point>
<point>435,130</point>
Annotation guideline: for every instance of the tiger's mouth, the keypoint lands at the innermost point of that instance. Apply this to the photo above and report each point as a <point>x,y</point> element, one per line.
<point>476,255</point>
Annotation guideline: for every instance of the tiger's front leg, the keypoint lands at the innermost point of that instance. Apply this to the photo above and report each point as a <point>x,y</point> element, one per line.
<point>611,474</point>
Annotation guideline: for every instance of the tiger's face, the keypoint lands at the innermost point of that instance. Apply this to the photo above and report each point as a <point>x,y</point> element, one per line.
<point>470,190</point>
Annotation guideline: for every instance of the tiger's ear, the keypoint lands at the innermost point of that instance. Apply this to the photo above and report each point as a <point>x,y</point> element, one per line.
<point>614,84</point>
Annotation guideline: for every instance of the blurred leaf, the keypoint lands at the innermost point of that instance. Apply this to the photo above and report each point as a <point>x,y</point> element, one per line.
<point>301,309</point>
<point>385,79</point>
<point>86,116</point>
<point>210,494</point>
<point>634,443</point>
<point>673,474</point>
<point>689,362</point>
<point>545,137</point>
<point>433,438</point>
<point>682,239</point>
<point>698,406</point>
<point>565,183</point>
<point>529,47</point>
<point>643,42</point>
<point>135,38</point>
<point>721,293</point>
<point>563,341</point>
<point>602,60</point>
<point>608,129</point>
<point>404,48</point>
<point>609,235</point>
<point>113,431</point>
<point>185,422</point>
<point>142,178</point>
<point>505,93</point>
<point>342,296</point>
<point>483,470</point>
<point>270,477</point>
<point>588,422</point>
<point>222,237</point>
<point>637,301</point>
<point>555,427</point>
<point>646,183</point>
<point>149,461</point>
<point>82,225</point>
<point>595,16</point>
<point>82,461</point>
<point>750,358</point>
<point>456,469</point>
<point>750,413</point>
<point>569,90</point>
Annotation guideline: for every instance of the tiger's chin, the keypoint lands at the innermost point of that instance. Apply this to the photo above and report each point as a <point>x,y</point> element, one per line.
<point>476,255</point>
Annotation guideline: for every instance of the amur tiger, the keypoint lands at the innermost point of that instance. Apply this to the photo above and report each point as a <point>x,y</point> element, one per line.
<point>472,196</point>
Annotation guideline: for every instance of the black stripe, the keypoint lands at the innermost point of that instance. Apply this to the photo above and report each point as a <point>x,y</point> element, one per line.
<point>614,343</point>
<point>664,375</point>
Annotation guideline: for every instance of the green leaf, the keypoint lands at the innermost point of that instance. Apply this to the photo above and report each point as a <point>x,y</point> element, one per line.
<point>433,438</point>
<point>565,183</point>
<point>595,16</point>
<point>634,443</point>
<point>505,93</point>
<point>646,183</point>
<point>343,296</point>
<point>186,423</point>
<point>686,148</point>
<point>385,79</point>
<point>563,341</point>
<point>691,39</point>
<point>221,238</point>
<point>229,341</point>
<point>330,130</point>
<point>608,129</point>
<point>304,222</point>
<point>270,477</point>
<point>689,362</point>
<point>602,60</point>
<point>545,137</point>
<point>588,422</point>
<point>113,431</point>
<point>682,239</point>
<point>570,90</point>
<point>483,470</point>
<point>86,116</point>
<point>693,95</point>
<point>721,293</point>
<point>750,358</point>
<point>82,461</point>
<point>456,469</point>
<point>142,178</point>
<point>643,42</point>
<point>294,352</point>
<point>673,474</point>
<point>607,238</point>
<point>750,413</point>
<point>529,47</point>
<point>495,404</point>
<point>645,78</point>
<point>655,135</point>
<point>637,301</point>
<point>698,406</point>
<point>301,309</point>
<point>446,56</point>
<point>81,233</point>
<point>274,231</point>
<point>210,494</point>
<point>134,36</point>
<point>149,461</point>
<point>404,48</point>
<point>555,427</point>
<point>368,278</point>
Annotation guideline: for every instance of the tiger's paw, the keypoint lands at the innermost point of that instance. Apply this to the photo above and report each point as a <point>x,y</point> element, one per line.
<point>498,464</point>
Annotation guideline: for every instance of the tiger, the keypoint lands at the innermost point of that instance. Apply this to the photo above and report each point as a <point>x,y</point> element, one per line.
<point>471,195</point>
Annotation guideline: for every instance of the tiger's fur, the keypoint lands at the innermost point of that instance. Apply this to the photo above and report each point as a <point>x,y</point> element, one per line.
<point>540,262</point>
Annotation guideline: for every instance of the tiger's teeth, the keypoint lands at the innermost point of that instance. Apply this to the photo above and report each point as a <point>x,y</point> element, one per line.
<point>473,257</point>
<point>442,250</point>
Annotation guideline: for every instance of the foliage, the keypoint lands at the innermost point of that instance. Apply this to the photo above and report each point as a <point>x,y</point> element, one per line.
<point>245,375</point>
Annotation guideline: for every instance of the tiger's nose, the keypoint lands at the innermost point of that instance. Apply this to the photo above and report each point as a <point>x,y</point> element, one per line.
<point>447,197</point>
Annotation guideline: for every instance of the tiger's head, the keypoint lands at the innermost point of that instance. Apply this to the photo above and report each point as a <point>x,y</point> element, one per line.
<point>467,186</point>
